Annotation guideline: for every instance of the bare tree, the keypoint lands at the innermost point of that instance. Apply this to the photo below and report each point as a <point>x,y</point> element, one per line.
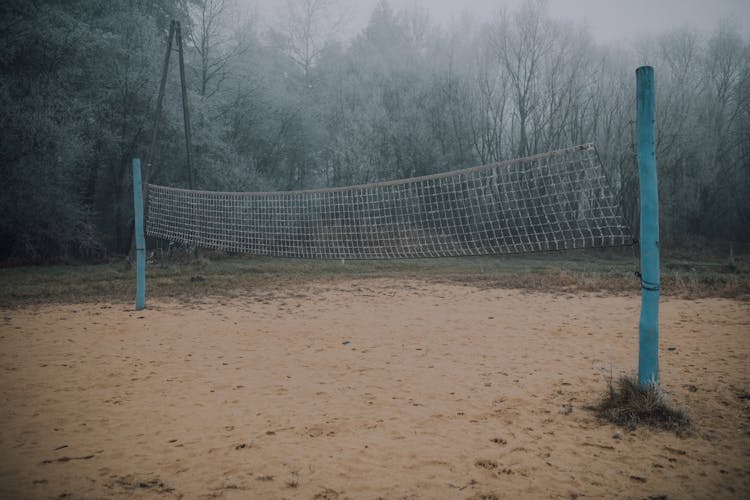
<point>307,27</point>
<point>727,59</point>
<point>490,102</point>
<point>215,41</point>
<point>522,41</point>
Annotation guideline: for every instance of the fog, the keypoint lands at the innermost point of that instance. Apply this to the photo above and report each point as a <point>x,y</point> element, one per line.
<point>609,21</point>
<point>301,94</point>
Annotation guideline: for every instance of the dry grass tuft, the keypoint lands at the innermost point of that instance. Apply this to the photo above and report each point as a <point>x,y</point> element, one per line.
<point>630,405</point>
<point>188,278</point>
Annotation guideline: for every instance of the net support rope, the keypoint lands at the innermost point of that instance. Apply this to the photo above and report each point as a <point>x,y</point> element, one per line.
<point>554,201</point>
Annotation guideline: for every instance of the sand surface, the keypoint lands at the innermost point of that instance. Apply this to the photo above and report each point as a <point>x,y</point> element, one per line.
<point>366,389</point>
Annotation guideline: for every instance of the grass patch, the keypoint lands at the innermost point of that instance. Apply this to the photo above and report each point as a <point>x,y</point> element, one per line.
<point>628,404</point>
<point>597,271</point>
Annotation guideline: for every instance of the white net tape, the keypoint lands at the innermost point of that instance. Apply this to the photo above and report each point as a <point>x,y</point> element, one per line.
<point>554,201</point>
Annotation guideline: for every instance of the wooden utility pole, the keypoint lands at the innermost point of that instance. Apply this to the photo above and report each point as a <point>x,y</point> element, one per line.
<point>175,31</point>
<point>159,103</point>
<point>185,111</point>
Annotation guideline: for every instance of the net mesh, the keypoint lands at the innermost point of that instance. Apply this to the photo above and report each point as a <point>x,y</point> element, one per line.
<point>554,201</point>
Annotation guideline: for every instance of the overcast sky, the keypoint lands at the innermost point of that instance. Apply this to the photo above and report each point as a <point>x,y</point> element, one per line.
<point>610,21</point>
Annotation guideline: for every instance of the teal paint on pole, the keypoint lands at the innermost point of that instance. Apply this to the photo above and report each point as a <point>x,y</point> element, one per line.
<point>648,329</point>
<point>140,240</point>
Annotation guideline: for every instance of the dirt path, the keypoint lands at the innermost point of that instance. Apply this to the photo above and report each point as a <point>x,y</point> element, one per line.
<point>366,389</point>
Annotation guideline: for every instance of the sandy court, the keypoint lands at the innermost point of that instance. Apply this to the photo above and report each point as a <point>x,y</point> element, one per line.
<point>366,389</point>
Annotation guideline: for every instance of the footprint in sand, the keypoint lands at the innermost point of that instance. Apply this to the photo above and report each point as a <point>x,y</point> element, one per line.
<point>486,464</point>
<point>327,494</point>
<point>315,432</point>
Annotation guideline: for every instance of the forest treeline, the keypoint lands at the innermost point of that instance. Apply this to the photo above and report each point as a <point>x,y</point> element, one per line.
<point>290,104</point>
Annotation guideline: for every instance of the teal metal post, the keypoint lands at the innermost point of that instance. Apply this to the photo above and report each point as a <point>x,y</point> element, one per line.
<point>648,350</point>
<point>140,240</point>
